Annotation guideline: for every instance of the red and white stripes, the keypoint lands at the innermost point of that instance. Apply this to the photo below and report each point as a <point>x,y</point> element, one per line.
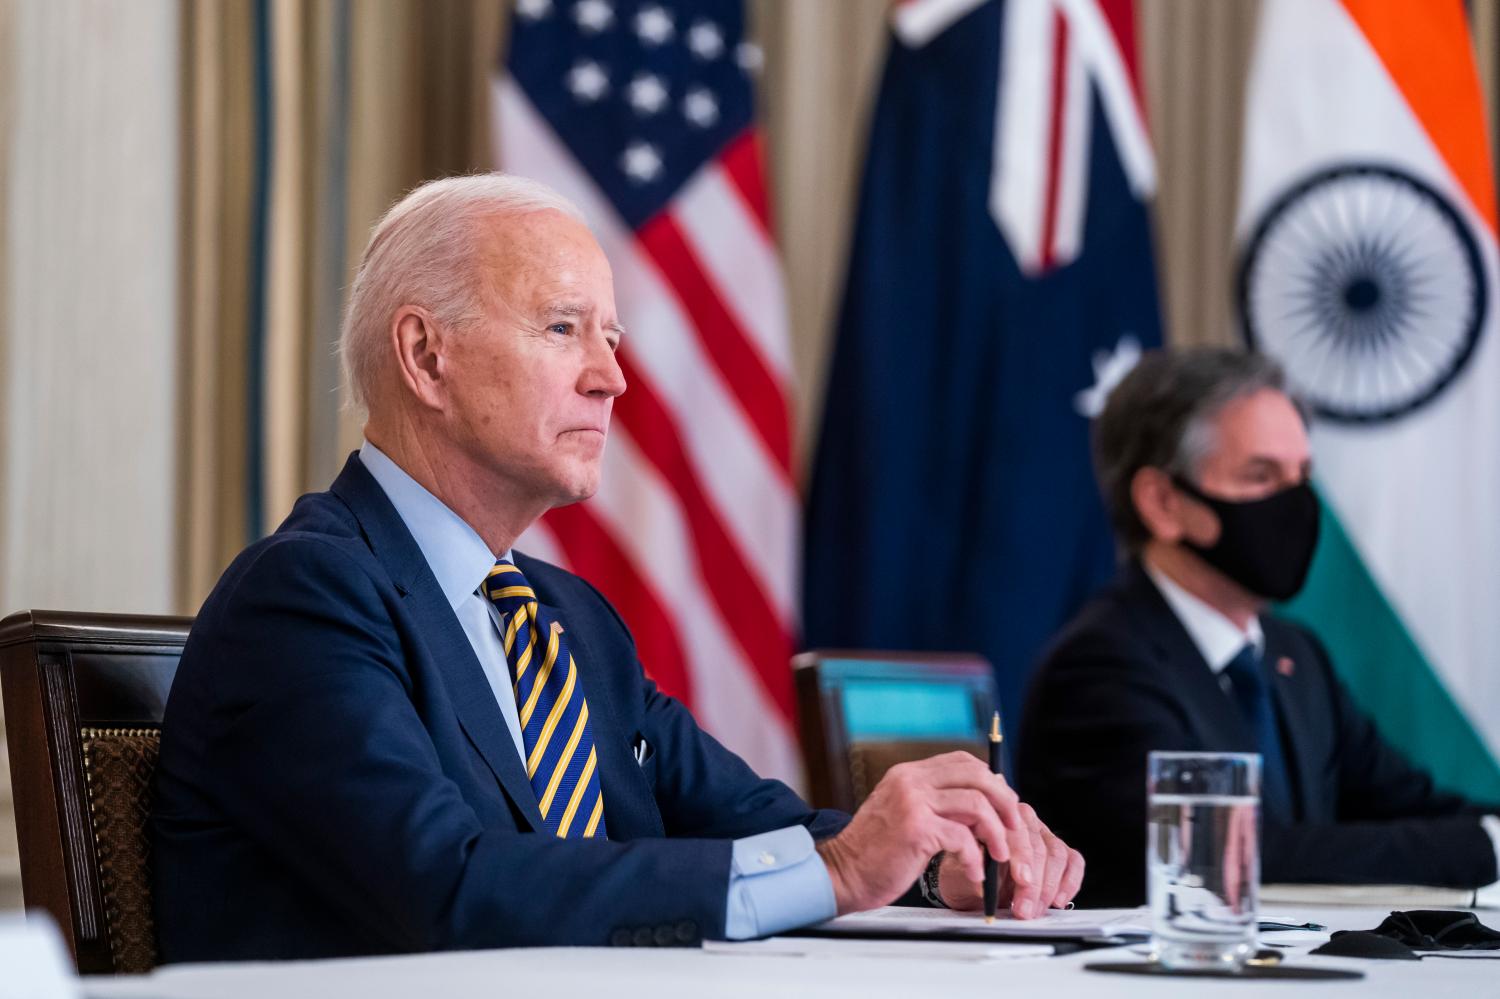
<point>1055,54</point>
<point>694,532</point>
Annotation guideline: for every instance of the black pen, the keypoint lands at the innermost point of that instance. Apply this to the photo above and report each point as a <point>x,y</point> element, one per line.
<point>991,866</point>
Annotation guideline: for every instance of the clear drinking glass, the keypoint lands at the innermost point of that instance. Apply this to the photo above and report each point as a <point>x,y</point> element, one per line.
<point>1203,857</point>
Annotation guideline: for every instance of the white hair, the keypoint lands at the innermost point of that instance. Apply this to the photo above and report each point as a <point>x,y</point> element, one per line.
<point>423,252</point>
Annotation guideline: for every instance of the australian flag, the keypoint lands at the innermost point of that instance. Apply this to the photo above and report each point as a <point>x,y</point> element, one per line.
<point>1001,280</point>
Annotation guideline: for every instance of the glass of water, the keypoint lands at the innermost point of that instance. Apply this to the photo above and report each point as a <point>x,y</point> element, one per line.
<point>1203,857</point>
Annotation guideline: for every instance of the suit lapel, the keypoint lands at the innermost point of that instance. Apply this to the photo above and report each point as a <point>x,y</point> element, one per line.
<point>1297,724</point>
<point>470,693</point>
<point>473,697</point>
<point>1218,723</point>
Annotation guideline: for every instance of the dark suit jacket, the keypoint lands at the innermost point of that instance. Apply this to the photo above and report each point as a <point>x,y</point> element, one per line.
<point>336,777</point>
<point>1124,678</point>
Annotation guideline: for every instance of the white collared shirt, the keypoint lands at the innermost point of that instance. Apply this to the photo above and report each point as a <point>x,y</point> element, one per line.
<point>1219,640</point>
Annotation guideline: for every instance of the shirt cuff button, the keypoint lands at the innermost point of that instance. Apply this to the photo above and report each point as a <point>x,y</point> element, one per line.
<point>767,858</point>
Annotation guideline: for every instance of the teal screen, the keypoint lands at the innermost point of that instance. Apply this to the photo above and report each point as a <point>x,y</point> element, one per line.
<point>908,709</point>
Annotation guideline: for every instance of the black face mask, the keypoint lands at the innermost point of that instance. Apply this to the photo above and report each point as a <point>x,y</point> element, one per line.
<point>1265,545</point>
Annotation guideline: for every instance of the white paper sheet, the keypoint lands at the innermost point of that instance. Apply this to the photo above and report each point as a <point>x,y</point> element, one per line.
<point>913,950</point>
<point>1065,924</point>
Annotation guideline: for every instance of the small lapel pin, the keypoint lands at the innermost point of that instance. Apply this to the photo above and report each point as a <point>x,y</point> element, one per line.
<point>1285,666</point>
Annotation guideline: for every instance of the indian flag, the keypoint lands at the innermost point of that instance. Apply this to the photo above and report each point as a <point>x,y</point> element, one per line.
<point>1368,264</point>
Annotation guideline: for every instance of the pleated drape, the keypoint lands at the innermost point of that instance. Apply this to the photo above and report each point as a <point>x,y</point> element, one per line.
<point>10,854</point>
<point>301,121</point>
<point>304,119</point>
<point>1194,57</point>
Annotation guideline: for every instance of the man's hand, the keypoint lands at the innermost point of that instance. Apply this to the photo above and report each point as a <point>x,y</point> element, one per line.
<point>950,803</point>
<point>1058,880</point>
<point>1239,854</point>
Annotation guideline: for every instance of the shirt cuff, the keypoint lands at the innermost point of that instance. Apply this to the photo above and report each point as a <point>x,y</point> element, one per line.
<point>1489,895</point>
<point>777,882</point>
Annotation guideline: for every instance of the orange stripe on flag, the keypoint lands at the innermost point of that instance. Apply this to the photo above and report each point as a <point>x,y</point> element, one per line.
<point>1427,50</point>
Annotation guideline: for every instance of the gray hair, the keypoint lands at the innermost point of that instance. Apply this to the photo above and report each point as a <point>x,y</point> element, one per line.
<point>422,252</point>
<point>1162,415</point>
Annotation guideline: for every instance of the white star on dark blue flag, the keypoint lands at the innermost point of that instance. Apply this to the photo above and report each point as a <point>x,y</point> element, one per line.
<point>647,94</point>
<point>533,10</point>
<point>593,16</point>
<point>705,40</point>
<point>642,92</point>
<point>641,162</point>
<point>700,108</point>
<point>588,81</point>
<point>654,26</point>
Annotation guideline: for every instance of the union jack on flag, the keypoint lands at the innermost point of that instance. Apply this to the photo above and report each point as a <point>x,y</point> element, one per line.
<point>1056,58</point>
<point>642,113</point>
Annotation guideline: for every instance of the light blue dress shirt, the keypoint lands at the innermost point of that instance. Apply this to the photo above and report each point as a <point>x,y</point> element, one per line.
<point>777,881</point>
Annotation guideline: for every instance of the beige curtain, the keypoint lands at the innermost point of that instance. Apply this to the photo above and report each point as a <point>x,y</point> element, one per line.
<point>373,97</point>
<point>418,110</point>
<point>218,126</point>
<point>366,100</point>
<point>1485,17</point>
<point>88,236</point>
<point>1194,57</point>
<point>822,71</point>
<point>413,82</point>
<point>10,855</point>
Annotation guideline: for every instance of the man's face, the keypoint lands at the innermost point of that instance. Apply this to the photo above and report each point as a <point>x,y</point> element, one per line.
<point>532,386</point>
<point>1262,449</point>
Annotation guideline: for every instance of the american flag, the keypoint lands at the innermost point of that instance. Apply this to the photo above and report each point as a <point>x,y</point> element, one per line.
<point>642,113</point>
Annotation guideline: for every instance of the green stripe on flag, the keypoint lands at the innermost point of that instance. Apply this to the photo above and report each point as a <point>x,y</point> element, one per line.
<point>1385,671</point>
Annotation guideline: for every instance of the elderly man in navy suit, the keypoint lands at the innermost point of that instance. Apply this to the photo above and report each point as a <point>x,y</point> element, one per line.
<point>392,732</point>
<point>1205,461</point>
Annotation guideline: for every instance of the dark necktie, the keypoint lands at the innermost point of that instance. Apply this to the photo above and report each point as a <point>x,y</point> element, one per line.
<point>560,759</point>
<point>1253,697</point>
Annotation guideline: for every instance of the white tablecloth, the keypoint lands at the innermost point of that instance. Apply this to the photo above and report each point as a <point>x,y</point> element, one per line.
<point>609,973</point>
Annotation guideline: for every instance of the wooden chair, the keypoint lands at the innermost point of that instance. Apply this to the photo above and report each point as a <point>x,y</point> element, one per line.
<point>863,712</point>
<point>83,697</point>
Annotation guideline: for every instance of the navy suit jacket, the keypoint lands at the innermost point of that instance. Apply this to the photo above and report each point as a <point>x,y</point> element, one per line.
<point>336,777</point>
<point>1125,677</point>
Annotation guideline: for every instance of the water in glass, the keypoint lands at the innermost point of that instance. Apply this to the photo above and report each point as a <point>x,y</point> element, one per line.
<point>1203,858</point>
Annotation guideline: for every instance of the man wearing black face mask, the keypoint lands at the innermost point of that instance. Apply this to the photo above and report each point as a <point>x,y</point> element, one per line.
<point>1204,462</point>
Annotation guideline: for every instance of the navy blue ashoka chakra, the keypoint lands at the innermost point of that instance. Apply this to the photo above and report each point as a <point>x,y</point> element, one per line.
<point>1368,286</point>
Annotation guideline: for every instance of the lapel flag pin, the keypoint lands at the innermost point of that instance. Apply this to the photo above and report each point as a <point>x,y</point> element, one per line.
<point>1285,666</point>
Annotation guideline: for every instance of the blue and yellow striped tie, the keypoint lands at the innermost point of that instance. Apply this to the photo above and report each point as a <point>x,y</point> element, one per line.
<point>561,762</point>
